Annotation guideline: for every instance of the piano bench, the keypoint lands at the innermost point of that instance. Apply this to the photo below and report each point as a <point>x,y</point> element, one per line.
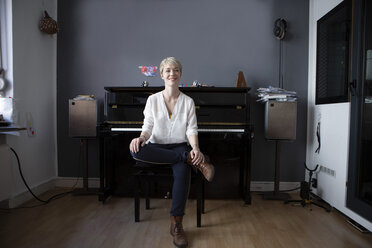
<point>152,173</point>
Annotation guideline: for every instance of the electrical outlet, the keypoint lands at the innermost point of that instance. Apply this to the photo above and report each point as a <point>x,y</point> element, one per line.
<point>30,125</point>
<point>314,183</point>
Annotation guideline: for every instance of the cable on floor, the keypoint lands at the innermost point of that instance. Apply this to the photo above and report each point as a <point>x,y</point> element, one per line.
<point>43,202</point>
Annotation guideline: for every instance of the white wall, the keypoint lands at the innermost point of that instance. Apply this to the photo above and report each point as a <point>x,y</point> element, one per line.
<point>34,75</point>
<point>335,125</point>
<point>5,176</point>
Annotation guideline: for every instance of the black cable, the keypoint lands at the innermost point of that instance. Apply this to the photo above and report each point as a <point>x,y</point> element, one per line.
<point>318,137</point>
<point>280,191</point>
<point>43,202</point>
<point>288,190</point>
<point>23,179</point>
<point>281,83</point>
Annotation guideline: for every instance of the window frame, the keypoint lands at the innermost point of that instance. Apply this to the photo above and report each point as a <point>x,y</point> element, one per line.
<point>340,98</point>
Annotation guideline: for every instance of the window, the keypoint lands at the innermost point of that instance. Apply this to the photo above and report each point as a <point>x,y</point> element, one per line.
<point>6,65</point>
<point>332,65</point>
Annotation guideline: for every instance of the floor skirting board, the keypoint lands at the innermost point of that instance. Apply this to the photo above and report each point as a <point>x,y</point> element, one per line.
<point>73,182</point>
<point>69,182</point>
<point>269,186</point>
<point>19,199</point>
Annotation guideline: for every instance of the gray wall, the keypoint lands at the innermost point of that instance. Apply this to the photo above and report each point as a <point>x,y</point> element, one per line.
<point>101,43</point>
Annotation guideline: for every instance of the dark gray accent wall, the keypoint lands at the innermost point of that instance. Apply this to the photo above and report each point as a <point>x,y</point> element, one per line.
<point>102,43</point>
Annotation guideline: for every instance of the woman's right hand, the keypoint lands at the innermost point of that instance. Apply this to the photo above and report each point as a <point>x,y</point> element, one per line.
<point>136,143</point>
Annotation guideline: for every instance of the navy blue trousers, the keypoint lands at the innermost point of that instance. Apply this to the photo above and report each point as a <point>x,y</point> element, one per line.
<point>176,155</point>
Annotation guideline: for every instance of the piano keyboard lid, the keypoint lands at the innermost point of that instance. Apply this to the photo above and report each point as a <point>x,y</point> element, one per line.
<point>206,130</point>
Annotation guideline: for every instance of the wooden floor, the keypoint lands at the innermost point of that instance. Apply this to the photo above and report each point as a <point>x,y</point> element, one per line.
<point>82,221</point>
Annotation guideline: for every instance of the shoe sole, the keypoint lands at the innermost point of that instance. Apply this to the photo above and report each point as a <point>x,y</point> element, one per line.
<point>212,176</point>
<point>180,246</point>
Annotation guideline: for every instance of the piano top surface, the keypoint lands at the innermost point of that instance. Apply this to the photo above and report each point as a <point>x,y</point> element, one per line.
<point>183,89</point>
<point>215,106</point>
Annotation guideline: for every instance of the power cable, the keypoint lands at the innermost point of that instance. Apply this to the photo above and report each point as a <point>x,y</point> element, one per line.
<point>23,179</point>
<point>43,202</point>
<point>318,137</point>
<point>281,191</point>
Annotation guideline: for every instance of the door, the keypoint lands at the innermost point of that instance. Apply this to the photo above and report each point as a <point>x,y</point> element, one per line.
<point>359,186</point>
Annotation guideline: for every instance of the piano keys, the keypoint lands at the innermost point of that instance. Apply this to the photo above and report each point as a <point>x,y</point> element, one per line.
<point>225,135</point>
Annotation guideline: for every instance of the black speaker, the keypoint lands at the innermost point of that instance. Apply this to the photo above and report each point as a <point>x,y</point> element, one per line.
<point>280,28</point>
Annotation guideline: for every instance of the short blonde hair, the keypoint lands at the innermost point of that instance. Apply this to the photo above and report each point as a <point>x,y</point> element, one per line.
<point>170,61</point>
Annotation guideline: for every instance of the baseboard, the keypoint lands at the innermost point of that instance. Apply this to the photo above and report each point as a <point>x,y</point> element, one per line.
<point>62,182</point>
<point>269,186</point>
<point>69,182</point>
<point>25,196</point>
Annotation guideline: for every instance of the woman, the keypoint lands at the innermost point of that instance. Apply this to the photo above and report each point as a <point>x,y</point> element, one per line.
<point>169,124</point>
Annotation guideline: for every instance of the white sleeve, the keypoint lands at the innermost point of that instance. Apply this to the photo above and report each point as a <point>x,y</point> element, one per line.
<point>148,122</point>
<point>192,125</point>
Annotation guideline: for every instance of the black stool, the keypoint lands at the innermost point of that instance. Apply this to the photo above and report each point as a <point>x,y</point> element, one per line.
<point>152,173</point>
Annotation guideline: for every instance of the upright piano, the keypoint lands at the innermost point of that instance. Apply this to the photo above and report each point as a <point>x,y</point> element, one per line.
<point>224,130</point>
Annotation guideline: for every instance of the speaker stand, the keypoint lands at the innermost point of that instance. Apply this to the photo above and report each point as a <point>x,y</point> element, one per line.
<point>85,190</point>
<point>276,195</point>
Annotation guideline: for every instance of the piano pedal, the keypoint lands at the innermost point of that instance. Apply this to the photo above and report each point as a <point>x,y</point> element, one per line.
<point>167,195</point>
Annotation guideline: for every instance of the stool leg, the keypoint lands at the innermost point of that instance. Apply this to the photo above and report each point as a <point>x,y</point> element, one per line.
<point>147,194</point>
<point>198,212</point>
<point>202,194</point>
<point>199,201</point>
<point>136,199</point>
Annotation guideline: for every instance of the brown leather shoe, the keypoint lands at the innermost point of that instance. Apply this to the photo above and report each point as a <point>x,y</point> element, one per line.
<point>205,168</point>
<point>176,230</point>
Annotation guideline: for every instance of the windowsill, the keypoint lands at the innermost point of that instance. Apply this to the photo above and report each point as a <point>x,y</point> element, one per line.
<point>10,128</point>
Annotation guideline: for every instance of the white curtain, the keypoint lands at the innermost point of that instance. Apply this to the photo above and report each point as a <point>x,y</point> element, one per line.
<point>6,94</point>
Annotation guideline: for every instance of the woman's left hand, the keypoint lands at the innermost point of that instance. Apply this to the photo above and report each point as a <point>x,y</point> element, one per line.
<point>196,156</point>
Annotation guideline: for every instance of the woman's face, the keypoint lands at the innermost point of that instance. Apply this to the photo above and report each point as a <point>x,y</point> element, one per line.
<point>171,75</point>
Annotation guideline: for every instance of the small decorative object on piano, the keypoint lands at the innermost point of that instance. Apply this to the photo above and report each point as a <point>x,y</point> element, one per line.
<point>196,84</point>
<point>277,94</point>
<point>148,71</point>
<point>48,25</point>
<point>145,84</point>
<point>240,82</point>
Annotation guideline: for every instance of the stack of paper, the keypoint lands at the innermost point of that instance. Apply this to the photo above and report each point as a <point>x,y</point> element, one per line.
<point>277,94</point>
<point>84,98</point>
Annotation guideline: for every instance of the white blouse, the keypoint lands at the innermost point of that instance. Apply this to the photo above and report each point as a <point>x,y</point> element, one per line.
<point>165,130</point>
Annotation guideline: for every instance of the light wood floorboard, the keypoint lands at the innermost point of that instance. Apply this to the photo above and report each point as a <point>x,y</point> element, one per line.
<point>82,221</point>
